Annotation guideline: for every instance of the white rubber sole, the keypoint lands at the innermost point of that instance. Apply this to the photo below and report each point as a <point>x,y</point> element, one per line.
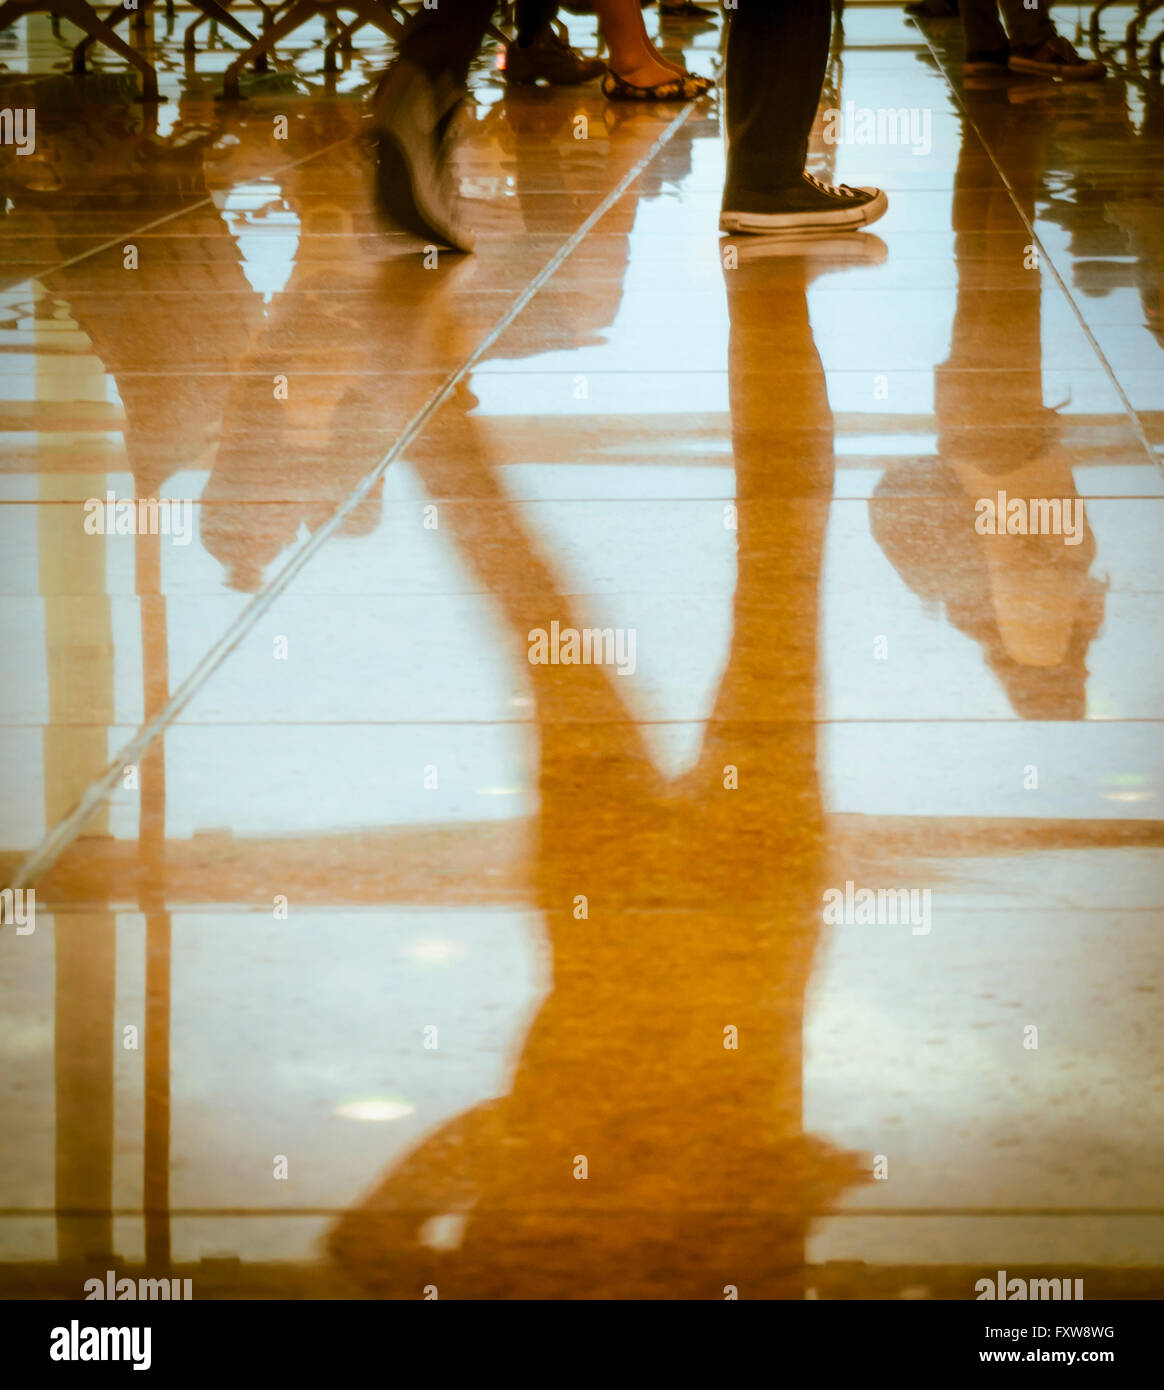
<point>767,223</point>
<point>837,248</point>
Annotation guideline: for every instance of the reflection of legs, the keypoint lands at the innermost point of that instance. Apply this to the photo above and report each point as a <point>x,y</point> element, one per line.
<point>763,723</point>
<point>451,462</point>
<point>591,757</point>
<point>782,437</point>
<point>988,213</point>
<point>763,720</point>
<point>84,951</point>
<point>1027,601</point>
<point>699,916</point>
<point>770,827</point>
<point>703,912</point>
<point>333,429</point>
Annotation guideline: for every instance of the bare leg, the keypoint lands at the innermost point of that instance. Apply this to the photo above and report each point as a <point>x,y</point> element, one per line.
<point>632,55</point>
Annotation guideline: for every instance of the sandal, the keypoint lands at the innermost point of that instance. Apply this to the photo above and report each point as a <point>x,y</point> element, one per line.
<point>685,87</point>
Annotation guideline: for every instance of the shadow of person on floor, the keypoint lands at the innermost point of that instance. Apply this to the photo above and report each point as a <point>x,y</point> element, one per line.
<point>100,170</point>
<point>363,339</point>
<point>667,1059</point>
<point>1027,597</point>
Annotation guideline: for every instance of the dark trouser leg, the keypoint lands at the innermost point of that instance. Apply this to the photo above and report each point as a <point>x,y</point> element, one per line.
<point>777,54</point>
<point>982,26</point>
<point>531,17</point>
<point>1028,28</point>
<point>444,41</point>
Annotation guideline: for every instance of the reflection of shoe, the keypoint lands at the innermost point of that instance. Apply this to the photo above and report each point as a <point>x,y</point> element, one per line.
<point>683,87</point>
<point>411,117</point>
<point>550,57</point>
<point>1055,58</point>
<point>987,60</point>
<point>841,249</point>
<point>808,206</point>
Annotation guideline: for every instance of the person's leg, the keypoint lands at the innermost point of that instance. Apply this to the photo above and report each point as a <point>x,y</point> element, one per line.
<point>632,54</point>
<point>1027,27</point>
<point>538,53</point>
<point>412,112</point>
<point>933,9</point>
<point>982,27</point>
<point>776,59</point>
<point>444,40</point>
<point>530,17</point>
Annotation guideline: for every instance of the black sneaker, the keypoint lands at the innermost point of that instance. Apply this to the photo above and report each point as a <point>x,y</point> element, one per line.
<point>987,60</point>
<point>811,205</point>
<point>412,117</point>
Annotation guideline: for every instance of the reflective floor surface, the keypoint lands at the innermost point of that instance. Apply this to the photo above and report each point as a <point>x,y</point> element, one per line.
<point>802,939</point>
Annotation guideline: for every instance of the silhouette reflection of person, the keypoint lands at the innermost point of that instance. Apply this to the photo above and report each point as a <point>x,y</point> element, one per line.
<point>96,168</point>
<point>1028,600</point>
<point>340,327</point>
<point>668,1055</point>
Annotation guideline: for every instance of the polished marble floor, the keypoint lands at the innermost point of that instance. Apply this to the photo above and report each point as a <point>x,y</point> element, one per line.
<point>371,955</point>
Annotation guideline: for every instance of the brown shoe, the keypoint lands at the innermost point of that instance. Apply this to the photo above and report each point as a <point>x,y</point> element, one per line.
<point>549,58</point>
